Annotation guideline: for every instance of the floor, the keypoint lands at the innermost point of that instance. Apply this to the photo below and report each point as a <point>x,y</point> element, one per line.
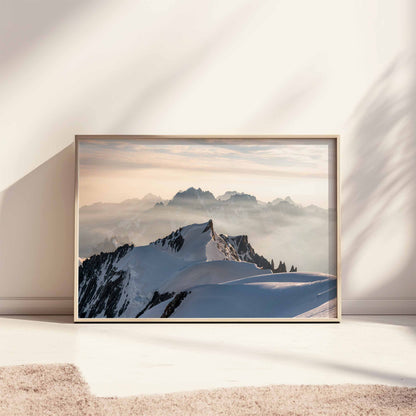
<point>131,359</point>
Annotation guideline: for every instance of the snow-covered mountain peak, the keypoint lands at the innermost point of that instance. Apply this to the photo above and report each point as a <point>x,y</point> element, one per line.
<point>197,242</point>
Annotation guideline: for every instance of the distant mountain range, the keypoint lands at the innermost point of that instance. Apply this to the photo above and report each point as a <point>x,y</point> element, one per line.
<point>196,197</point>
<point>196,272</point>
<point>280,227</point>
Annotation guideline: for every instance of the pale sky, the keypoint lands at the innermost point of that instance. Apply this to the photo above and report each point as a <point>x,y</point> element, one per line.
<point>116,170</point>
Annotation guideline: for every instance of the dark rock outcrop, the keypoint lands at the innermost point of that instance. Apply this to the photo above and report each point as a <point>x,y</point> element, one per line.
<point>174,240</point>
<point>281,268</point>
<point>177,300</point>
<point>90,266</point>
<point>156,299</point>
<point>210,226</point>
<point>103,299</point>
<point>247,253</point>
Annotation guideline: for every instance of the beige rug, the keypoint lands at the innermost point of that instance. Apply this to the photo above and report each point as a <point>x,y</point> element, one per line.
<point>60,390</point>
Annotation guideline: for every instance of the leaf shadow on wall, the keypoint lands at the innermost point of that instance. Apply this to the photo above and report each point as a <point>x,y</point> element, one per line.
<point>37,231</point>
<point>379,191</point>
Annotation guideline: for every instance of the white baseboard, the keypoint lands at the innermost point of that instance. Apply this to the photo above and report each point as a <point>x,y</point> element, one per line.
<point>379,307</point>
<point>36,306</point>
<point>65,306</point>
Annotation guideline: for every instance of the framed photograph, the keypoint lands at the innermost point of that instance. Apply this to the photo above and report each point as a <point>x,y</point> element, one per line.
<point>207,228</point>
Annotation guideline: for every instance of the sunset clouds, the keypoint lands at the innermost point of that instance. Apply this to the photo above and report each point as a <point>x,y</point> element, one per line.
<point>115,170</point>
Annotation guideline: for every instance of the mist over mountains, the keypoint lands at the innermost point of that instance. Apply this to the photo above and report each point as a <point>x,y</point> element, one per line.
<point>278,229</point>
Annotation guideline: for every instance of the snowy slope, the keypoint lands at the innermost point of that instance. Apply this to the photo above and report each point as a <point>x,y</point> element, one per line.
<point>264,296</point>
<point>212,272</point>
<point>196,273</point>
<point>326,310</point>
<point>290,278</point>
<point>148,268</point>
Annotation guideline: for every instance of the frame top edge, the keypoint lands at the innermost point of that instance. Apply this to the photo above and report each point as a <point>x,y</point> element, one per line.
<point>199,136</point>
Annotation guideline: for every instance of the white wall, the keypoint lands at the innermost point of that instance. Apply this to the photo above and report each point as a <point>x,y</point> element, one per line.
<point>209,67</point>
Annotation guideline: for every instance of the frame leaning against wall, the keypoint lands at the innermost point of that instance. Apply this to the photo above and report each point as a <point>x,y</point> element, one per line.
<point>336,250</point>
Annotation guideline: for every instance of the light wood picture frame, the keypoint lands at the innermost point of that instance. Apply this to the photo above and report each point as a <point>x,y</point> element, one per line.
<point>233,228</point>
